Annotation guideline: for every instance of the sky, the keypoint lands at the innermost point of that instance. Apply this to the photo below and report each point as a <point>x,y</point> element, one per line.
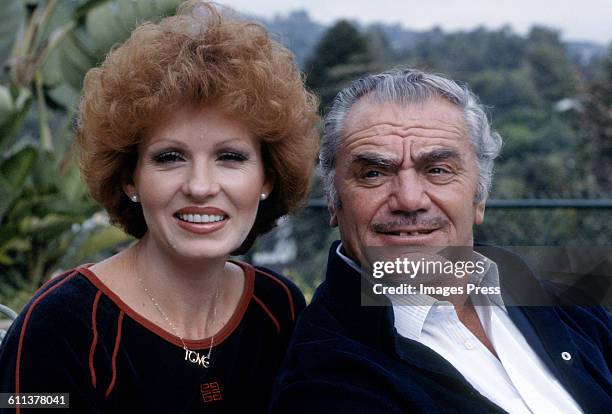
<point>577,19</point>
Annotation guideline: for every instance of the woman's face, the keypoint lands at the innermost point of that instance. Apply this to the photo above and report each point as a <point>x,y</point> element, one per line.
<point>199,177</point>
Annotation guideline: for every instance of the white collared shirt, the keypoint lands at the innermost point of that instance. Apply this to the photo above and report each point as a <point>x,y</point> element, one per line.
<point>518,382</point>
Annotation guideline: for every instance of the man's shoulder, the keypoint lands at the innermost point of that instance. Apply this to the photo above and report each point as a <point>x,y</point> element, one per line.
<point>317,320</point>
<point>327,369</point>
<point>321,339</point>
<point>593,321</point>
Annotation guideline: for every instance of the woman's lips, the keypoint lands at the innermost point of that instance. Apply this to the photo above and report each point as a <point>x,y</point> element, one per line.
<point>201,220</point>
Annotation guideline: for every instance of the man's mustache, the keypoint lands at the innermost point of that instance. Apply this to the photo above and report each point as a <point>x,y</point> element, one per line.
<point>412,219</point>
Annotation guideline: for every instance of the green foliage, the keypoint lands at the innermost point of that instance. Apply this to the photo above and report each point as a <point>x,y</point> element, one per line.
<point>12,15</point>
<point>6,105</point>
<point>378,45</point>
<point>468,52</point>
<point>507,89</point>
<point>88,30</point>
<point>311,233</point>
<point>341,44</point>
<point>48,221</point>
<point>596,124</point>
<point>545,227</point>
<point>548,65</point>
<point>341,54</point>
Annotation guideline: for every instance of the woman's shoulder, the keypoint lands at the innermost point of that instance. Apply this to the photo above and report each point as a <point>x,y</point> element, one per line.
<point>68,291</point>
<point>61,304</point>
<point>279,287</point>
<point>56,308</point>
<point>276,292</point>
<point>49,342</point>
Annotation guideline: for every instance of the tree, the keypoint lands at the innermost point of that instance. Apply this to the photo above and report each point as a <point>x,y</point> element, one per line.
<point>379,47</point>
<point>341,53</point>
<point>597,124</point>
<point>504,90</point>
<point>550,68</point>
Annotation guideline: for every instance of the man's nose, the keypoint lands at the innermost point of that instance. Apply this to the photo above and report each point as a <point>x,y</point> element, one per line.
<point>201,181</point>
<point>409,192</point>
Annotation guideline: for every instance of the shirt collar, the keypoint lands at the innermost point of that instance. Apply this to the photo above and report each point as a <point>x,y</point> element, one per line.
<point>411,311</point>
<point>488,278</point>
<point>415,310</point>
<point>347,259</point>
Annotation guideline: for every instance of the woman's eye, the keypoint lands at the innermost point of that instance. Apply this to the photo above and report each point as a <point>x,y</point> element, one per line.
<point>168,157</point>
<point>232,156</point>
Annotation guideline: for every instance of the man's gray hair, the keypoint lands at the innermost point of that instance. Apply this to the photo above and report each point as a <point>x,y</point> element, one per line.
<point>405,87</point>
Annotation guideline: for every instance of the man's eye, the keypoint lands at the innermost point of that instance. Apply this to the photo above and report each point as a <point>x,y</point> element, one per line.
<point>371,174</point>
<point>438,170</point>
<point>168,157</point>
<point>232,156</point>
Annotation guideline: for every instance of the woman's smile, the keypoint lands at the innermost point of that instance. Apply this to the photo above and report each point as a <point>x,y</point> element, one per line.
<point>201,220</point>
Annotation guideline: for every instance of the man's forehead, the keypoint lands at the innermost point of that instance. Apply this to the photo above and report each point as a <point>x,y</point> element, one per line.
<point>435,122</point>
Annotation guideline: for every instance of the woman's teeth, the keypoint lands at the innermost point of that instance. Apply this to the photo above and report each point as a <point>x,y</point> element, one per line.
<point>200,218</point>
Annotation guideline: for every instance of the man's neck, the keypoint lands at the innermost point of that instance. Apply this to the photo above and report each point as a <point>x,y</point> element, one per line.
<point>469,318</point>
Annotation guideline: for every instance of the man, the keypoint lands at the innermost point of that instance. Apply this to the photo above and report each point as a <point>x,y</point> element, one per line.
<point>407,159</point>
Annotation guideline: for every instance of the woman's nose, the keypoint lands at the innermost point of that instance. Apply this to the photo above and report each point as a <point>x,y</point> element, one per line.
<point>201,181</point>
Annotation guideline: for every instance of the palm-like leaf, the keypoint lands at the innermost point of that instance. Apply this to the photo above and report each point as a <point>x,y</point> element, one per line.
<point>12,16</point>
<point>43,202</point>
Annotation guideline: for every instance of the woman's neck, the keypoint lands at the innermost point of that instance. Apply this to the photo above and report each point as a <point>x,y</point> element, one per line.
<point>197,296</point>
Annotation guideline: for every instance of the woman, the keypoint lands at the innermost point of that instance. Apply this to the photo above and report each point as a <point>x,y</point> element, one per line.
<point>195,135</point>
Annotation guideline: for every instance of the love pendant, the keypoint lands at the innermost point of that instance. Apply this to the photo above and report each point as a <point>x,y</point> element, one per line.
<point>195,358</point>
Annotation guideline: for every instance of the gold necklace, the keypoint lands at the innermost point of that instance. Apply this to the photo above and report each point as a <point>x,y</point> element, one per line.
<point>191,356</point>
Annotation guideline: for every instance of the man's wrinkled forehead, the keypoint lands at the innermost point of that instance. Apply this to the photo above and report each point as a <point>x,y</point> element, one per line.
<point>434,122</point>
<point>368,117</point>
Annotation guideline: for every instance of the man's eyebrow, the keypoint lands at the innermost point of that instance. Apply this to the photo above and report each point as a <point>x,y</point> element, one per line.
<point>373,158</point>
<point>439,154</point>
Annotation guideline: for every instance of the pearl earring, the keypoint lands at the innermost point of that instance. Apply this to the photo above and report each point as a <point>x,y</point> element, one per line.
<point>263,196</point>
<point>134,198</point>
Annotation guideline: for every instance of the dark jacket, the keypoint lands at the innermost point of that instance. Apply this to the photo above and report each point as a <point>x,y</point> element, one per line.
<point>348,358</point>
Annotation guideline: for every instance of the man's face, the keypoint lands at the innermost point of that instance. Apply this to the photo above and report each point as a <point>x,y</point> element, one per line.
<point>405,176</point>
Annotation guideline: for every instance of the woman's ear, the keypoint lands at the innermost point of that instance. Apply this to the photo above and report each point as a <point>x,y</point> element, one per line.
<point>267,188</point>
<point>130,191</point>
<point>268,185</point>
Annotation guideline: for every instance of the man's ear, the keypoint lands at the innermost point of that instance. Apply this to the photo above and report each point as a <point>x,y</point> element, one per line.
<point>479,212</point>
<point>333,218</point>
